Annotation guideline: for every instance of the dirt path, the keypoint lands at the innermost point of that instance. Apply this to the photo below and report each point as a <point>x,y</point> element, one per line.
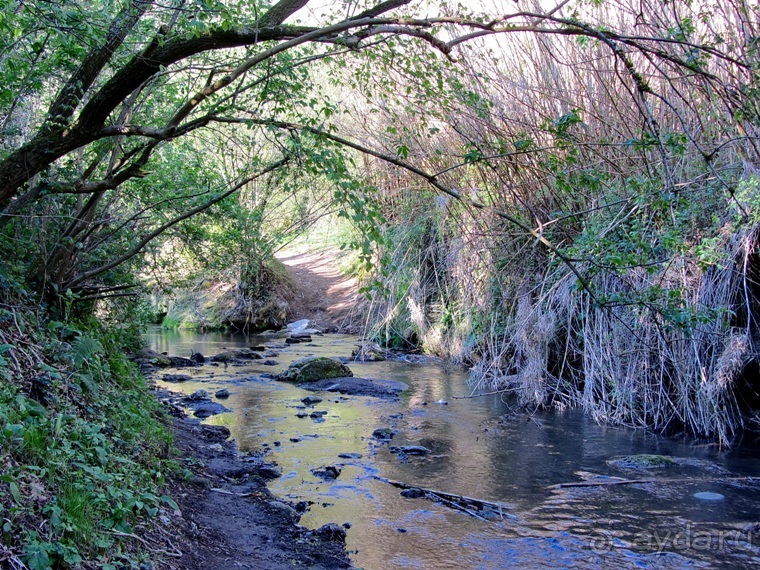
<point>324,295</point>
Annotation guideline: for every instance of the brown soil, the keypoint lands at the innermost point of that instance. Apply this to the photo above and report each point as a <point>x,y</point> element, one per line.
<point>229,519</point>
<point>324,295</point>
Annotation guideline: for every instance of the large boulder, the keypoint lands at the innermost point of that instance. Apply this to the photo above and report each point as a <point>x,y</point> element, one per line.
<point>314,368</point>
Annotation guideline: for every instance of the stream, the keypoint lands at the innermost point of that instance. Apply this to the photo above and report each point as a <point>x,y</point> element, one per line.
<point>480,447</point>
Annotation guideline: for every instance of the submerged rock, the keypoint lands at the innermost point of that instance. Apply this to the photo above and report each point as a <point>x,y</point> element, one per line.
<point>223,393</point>
<point>709,496</point>
<point>643,461</point>
<point>311,400</point>
<point>314,368</point>
<point>410,449</point>
<point>353,386</point>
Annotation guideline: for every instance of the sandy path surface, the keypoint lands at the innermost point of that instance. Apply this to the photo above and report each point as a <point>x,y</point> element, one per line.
<point>324,295</point>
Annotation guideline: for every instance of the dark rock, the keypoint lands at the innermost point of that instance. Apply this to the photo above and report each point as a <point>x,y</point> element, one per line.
<point>206,409</point>
<point>224,357</point>
<point>180,362</point>
<point>410,449</point>
<point>368,351</point>
<point>295,439</point>
<point>270,471</point>
<point>328,472</point>
<point>259,348</point>
<point>346,525</point>
<point>176,378</point>
<point>198,396</point>
<point>302,336</point>
<point>401,529</point>
<point>286,509</point>
<point>350,455</point>
<point>247,354</point>
<point>153,357</point>
<point>271,354</point>
<point>214,433</point>
<point>359,387</point>
<point>318,414</point>
<point>314,368</point>
<point>222,394</point>
<point>413,493</point>
<point>311,400</point>
<point>301,414</point>
<point>198,358</point>
<point>383,434</point>
<point>332,532</point>
<point>267,375</point>
<point>292,341</point>
<point>269,362</point>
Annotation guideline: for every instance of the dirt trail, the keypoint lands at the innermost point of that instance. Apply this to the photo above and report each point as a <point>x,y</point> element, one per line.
<point>324,295</point>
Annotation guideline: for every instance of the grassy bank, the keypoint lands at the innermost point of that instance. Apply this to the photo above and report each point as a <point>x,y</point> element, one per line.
<point>84,450</point>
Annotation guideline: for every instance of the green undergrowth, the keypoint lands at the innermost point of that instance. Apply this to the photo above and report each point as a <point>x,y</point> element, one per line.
<point>84,451</point>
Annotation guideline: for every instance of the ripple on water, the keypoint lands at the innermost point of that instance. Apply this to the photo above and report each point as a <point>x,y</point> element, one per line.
<point>602,526</point>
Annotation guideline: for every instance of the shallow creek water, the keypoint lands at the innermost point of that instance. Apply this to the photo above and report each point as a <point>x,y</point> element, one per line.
<point>480,447</point>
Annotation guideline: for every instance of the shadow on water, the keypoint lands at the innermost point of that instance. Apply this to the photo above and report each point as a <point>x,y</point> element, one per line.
<point>479,447</point>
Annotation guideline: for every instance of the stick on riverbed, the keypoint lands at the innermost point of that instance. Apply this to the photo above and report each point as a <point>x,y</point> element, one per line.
<point>467,505</point>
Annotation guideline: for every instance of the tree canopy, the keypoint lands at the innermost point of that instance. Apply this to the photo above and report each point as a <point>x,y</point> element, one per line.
<point>95,96</point>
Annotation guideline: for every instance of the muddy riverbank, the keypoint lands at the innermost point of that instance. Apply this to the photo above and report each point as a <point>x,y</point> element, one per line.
<point>228,518</point>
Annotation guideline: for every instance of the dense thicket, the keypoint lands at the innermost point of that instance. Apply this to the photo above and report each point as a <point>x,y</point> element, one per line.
<point>603,253</point>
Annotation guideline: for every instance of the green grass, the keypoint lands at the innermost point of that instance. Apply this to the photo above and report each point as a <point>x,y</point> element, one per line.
<point>88,464</point>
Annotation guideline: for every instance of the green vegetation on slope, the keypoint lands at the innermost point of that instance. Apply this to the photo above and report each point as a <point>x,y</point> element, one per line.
<point>84,451</point>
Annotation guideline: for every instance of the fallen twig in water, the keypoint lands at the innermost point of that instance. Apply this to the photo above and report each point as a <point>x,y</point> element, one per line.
<point>634,481</point>
<point>467,505</point>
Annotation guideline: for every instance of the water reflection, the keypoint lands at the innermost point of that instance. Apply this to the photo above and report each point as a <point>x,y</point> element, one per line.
<point>514,461</point>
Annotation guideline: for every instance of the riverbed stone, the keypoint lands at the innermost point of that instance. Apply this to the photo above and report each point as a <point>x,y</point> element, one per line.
<point>328,472</point>
<point>313,369</point>
<point>332,532</point>
<point>198,396</point>
<point>151,356</point>
<point>227,356</point>
<point>383,434</point>
<point>410,449</point>
<point>709,496</point>
<point>223,393</point>
<point>643,461</point>
<point>368,351</point>
<point>413,493</point>
<point>176,378</point>
<point>206,409</point>
<point>311,400</point>
<point>286,509</point>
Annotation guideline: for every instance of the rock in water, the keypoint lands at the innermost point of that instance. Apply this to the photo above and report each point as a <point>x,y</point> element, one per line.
<point>644,461</point>
<point>223,393</point>
<point>328,472</point>
<point>383,434</point>
<point>314,368</point>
